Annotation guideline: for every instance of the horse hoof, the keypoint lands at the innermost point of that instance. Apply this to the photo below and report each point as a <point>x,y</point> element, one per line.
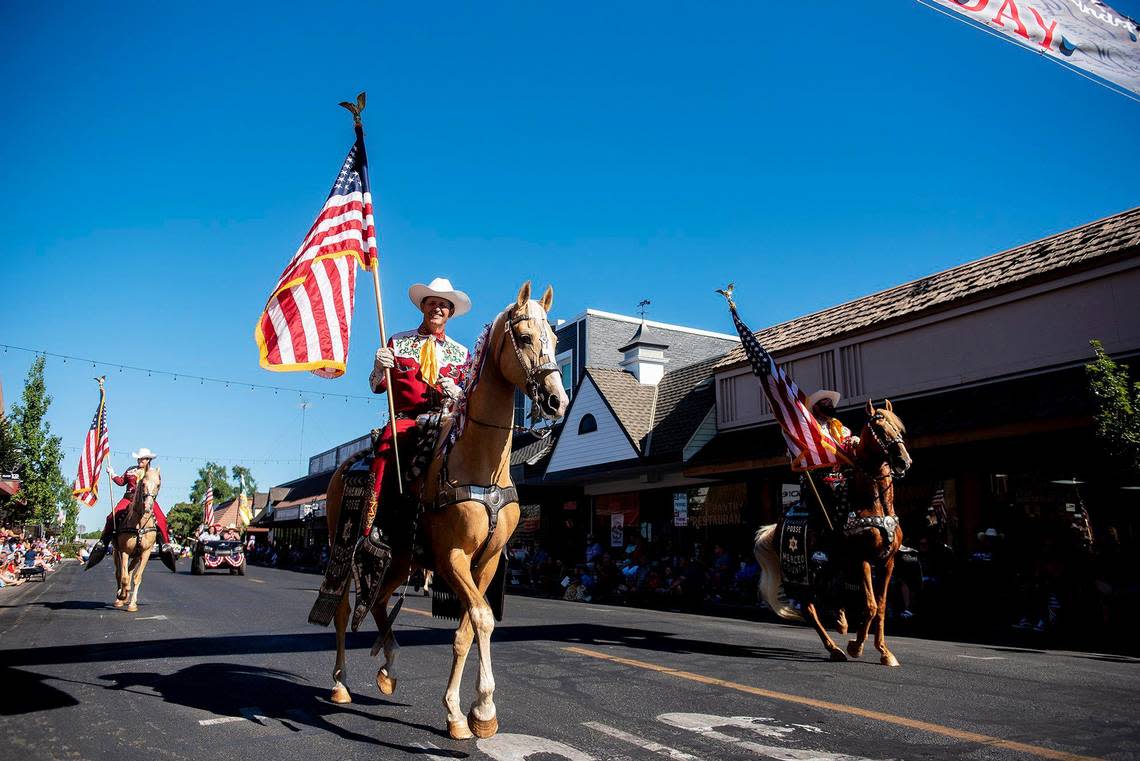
<point>132,609</point>
<point>482,729</point>
<point>854,649</point>
<point>118,603</point>
<point>386,684</point>
<point>458,730</point>
<point>889,660</point>
<point>838,656</point>
<point>340,695</point>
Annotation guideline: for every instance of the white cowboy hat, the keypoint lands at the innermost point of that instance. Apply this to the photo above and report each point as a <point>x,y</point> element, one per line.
<point>823,393</point>
<point>143,454</point>
<point>231,525</point>
<point>442,288</point>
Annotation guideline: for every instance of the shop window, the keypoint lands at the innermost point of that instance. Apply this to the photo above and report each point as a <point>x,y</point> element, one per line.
<point>587,424</point>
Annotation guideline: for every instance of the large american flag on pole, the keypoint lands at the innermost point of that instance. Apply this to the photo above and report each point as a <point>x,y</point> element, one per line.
<point>306,322</point>
<point>96,446</point>
<point>208,507</point>
<point>810,446</point>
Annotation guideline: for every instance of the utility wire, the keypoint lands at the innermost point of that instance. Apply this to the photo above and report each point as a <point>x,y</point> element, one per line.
<point>213,458</point>
<point>202,380</point>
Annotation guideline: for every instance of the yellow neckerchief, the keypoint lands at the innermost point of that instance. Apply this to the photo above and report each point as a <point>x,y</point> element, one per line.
<point>429,358</point>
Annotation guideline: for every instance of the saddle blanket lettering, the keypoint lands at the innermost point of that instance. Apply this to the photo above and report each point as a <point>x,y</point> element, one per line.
<point>794,551</point>
<point>358,492</point>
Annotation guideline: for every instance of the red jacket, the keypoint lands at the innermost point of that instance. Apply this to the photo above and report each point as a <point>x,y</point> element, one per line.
<point>410,392</point>
<point>130,478</point>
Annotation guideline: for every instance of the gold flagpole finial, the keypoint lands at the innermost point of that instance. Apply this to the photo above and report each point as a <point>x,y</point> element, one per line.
<point>356,108</point>
<point>727,293</point>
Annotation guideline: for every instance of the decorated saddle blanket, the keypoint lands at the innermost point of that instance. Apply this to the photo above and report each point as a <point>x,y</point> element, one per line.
<point>357,501</point>
<point>794,550</point>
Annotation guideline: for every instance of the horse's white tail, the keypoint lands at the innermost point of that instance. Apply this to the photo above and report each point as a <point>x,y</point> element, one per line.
<point>764,548</point>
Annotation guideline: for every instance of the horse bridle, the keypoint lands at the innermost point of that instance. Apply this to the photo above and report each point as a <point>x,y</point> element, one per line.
<point>885,444</point>
<point>536,373</point>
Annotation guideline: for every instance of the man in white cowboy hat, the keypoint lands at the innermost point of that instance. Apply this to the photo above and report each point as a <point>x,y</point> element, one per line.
<point>822,405</point>
<point>130,479</point>
<point>427,368</point>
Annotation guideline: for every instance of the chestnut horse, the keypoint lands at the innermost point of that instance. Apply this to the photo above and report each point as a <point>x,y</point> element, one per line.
<point>134,538</point>
<point>518,354</point>
<point>867,542</point>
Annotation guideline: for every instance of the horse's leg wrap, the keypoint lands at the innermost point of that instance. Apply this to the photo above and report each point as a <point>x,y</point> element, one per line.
<point>369,564</point>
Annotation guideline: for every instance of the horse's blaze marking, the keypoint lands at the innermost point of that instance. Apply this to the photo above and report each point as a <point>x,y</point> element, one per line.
<point>923,726</point>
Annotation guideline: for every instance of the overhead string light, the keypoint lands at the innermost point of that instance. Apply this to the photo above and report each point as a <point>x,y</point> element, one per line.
<point>212,458</point>
<point>202,379</point>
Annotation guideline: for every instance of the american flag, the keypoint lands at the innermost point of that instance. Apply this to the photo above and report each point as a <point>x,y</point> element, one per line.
<point>96,446</point>
<point>208,506</point>
<point>306,322</point>
<point>810,446</point>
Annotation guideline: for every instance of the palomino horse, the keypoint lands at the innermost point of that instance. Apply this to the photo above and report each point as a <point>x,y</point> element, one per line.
<point>868,540</point>
<point>134,539</point>
<point>518,353</point>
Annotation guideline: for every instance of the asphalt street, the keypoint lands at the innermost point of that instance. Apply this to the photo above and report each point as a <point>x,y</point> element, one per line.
<point>227,664</point>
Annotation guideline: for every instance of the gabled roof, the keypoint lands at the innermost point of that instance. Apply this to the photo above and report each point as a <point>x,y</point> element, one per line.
<point>684,398</point>
<point>1091,245</point>
<point>659,420</point>
<point>630,401</point>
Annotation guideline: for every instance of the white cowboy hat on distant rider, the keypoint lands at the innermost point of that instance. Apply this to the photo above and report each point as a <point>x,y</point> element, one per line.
<point>823,393</point>
<point>143,454</point>
<point>442,288</point>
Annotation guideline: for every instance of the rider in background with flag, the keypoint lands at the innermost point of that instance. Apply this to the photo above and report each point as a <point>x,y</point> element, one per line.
<point>130,479</point>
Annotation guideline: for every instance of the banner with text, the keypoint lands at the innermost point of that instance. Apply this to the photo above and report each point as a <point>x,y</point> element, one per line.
<point>1086,34</point>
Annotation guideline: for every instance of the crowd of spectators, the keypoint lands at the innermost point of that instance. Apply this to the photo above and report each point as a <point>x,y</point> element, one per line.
<point>305,559</point>
<point>640,573</point>
<point>18,553</point>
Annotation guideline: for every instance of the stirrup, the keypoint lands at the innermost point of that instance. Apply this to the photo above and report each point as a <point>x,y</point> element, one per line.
<point>369,563</point>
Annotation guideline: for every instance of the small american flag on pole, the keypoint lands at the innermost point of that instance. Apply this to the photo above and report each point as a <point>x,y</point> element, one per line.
<point>208,506</point>
<point>96,446</point>
<point>306,322</point>
<point>810,446</point>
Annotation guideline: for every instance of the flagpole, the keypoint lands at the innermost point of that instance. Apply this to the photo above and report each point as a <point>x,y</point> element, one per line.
<point>356,108</point>
<point>819,501</point>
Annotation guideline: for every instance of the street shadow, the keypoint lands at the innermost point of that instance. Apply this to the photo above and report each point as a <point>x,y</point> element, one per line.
<point>230,689</point>
<point>74,605</point>
<point>26,692</point>
<point>210,647</point>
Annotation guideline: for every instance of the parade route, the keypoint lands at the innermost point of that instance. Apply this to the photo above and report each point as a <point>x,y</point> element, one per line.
<point>225,664</point>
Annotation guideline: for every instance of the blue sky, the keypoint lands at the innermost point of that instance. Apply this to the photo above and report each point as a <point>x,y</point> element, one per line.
<point>159,165</point>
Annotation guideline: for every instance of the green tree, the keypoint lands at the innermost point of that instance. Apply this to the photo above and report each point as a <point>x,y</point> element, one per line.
<point>1117,411</point>
<point>184,518</point>
<point>215,474</point>
<point>39,456</point>
<point>244,479</point>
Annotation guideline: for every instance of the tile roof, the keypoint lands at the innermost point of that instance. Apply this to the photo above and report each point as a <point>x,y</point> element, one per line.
<point>1094,244</point>
<point>667,414</point>
<point>632,402</point>
<point>531,453</point>
<point>683,400</point>
<point>606,337</point>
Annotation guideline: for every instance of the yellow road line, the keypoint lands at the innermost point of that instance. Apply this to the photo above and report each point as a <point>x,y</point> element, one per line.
<point>418,612</point>
<point>924,726</point>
